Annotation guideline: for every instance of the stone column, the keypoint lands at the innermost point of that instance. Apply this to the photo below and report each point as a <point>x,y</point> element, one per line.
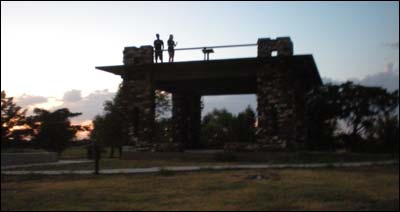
<point>186,118</point>
<point>276,108</point>
<point>139,105</point>
<point>138,98</point>
<point>180,113</point>
<point>283,46</point>
<point>280,98</point>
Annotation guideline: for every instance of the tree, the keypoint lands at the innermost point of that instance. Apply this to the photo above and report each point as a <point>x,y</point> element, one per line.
<point>110,128</point>
<point>362,107</point>
<point>323,109</point>
<point>362,112</point>
<point>53,130</point>
<point>218,128</point>
<point>163,123</point>
<point>385,129</point>
<point>12,120</point>
<point>163,103</point>
<point>245,125</point>
<point>385,135</point>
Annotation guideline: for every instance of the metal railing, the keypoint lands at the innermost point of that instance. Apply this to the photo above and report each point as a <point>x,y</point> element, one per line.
<point>210,49</point>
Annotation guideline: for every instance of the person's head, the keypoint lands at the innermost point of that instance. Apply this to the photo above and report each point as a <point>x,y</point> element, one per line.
<point>171,37</point>
<point>158,36</point>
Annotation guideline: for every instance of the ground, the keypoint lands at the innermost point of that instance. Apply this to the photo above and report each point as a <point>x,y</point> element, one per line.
<point>363,188</point>
<point>180,159</point>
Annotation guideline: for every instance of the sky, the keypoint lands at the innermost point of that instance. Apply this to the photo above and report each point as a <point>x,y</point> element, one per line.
<point>49,50</point>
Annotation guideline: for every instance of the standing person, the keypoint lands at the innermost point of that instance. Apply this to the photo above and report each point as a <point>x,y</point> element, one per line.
<point>158,47</point>
<point>171,46</point>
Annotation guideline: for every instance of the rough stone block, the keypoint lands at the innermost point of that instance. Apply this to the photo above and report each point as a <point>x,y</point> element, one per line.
<point>138,56</point>
<point>283,46</point>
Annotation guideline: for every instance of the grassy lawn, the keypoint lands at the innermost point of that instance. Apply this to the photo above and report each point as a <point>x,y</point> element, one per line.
<point>364,188</point>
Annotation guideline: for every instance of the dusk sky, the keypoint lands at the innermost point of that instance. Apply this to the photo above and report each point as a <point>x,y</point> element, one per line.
<point>49,50</point>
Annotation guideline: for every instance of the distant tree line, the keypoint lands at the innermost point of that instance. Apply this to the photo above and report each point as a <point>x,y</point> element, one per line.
<point>51,131</point>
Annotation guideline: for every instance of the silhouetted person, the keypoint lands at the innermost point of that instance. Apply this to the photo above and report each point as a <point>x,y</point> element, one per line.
<point>158,47</point>
<point>171,48</point>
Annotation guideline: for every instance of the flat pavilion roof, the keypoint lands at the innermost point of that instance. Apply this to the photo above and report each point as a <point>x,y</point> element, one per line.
<point>219,77</point>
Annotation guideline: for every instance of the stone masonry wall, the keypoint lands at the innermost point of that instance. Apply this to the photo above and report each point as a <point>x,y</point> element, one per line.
<point>276,108</point>
<point>138,98</point>
<point>283,46</point>
<point>180,114</point>
<point>280,118</point>
<point>138,56</point>
<point>138,101</point>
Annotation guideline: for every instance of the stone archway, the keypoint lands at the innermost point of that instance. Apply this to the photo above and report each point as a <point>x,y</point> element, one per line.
<point>280,83</point>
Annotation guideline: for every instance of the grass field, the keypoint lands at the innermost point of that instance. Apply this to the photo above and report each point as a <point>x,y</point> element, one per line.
<point>366,188</point>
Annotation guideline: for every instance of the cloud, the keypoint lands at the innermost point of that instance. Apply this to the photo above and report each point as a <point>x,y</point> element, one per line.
<point>90,105</point>
<point>389,67</point>
<point>72,96</point>
<point>326,80</point>
<point>30,100</point>
<point>388,79</point>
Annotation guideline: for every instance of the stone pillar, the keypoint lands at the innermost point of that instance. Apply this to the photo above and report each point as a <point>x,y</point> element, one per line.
<point>180,111</point>
<point>186,119</point>
<point>283,46</point>
<point>139,105</point>
<point>276,108</point>
<point>138,98</point>
<point>138,56</point>
<point>280,99</point>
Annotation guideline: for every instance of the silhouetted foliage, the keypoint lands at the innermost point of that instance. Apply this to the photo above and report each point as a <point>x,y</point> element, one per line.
<point>163,103</point>
<point>217,128</point>
<point>384,136</point>
<point>162,125</point>
<point>109,129</point>
<point>323,108</point>
<point>220,127</point>
<point>163,130</point>
<point>13,121</point>
<point>362,107</point>
<point>245,125</point>
<point>366,114</point>
<point>53,131</point>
